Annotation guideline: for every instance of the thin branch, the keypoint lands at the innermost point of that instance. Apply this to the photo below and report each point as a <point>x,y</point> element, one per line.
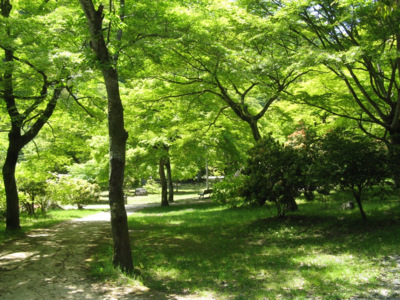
<point>336,113</point>
<point>69,90</point>
<point>216,118</point>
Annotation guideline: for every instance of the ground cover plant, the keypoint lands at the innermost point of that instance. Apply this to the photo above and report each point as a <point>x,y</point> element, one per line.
<point>40,220</point>
<point>249,253</point>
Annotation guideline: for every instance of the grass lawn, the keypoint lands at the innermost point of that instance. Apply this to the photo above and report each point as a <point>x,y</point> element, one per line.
<point>248,253</point>
<point>39,220</point>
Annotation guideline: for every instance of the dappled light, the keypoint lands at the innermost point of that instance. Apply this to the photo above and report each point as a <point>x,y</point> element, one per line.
<point>238,252</point>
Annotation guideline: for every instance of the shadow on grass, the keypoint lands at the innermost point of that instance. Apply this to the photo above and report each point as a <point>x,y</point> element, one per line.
<point>204,248</point>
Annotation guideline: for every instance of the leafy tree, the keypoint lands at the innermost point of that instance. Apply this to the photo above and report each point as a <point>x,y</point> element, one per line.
<point>33,184</point>
<point>351,162</point>
<point>303,140</point>
<point>230,190</point>
<point>386,7</point>
<point>242,62</point>
<point>67,190</point>
<point>29,90</point>
<point>360,51</point>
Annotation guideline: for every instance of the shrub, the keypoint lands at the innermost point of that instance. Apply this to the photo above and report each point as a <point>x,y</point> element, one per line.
<point>275,174</point>
<point>65,189</point>
<point>34,190</point>
<point>351,162</point>
<point>152,186</point>
<point>229,190</point>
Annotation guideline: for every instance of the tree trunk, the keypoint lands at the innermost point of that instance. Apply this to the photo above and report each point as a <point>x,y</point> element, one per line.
<point>164,185</point>
<point>169,181</point>
<point>254,128</point>
<point>394,150</point>
<point>10,185</point>
<point>119,224</point>
<point>357,196</point>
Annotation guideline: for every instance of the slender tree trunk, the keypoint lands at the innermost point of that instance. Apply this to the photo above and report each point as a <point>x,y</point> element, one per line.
<point>394,150</point>
<point>357,195</point>
<point>117,136</point>
<point>169,181</point>
<point>119,225</point>
<point>164,185</point>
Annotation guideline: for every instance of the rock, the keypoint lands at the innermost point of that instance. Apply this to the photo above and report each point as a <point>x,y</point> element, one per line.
<point>348,205</point>
<point>141,192</point>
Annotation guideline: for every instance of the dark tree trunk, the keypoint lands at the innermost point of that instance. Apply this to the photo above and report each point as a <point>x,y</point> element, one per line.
<point>164,185</point>
<point>357,195</point>
<point>10,185</point>
<point>169,181</point>
<point>254,128</point>
<point>119,225</point>
<point>394,150</point>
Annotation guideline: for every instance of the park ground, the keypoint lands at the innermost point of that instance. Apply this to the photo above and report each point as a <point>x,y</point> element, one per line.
<point>199,250</point>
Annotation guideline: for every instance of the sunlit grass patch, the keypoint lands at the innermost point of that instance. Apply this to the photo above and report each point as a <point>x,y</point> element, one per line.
<point>248,253</point>
<point>39,220</point>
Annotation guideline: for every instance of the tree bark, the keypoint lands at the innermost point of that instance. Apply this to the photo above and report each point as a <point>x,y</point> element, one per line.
<point>10,185</point>
<point>169,181</point>
<point>357,195</point>
<point>164,184</point>
<point>254,128</point>
<point>119,224</point>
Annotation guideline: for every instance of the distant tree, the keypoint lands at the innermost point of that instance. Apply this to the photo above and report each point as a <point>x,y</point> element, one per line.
<point>66,190</point>
<point>33,189</point>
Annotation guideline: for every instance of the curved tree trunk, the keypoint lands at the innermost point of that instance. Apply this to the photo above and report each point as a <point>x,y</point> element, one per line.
<point>10,185</point>
<point>357,195</point>
<point>119,224</point>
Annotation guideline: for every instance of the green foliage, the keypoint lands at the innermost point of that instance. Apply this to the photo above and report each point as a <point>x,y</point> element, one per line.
<point>152,186</point>
<point>275,174</point>
<point>351,162</point>
<point>68,190</point>
<point>34,190</point>
<point>229,190</point>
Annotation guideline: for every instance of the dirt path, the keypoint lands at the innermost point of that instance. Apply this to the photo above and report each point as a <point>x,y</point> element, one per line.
<point>51,263</point>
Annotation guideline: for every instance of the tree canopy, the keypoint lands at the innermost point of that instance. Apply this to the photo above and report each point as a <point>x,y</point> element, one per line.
<point>113,92</point>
